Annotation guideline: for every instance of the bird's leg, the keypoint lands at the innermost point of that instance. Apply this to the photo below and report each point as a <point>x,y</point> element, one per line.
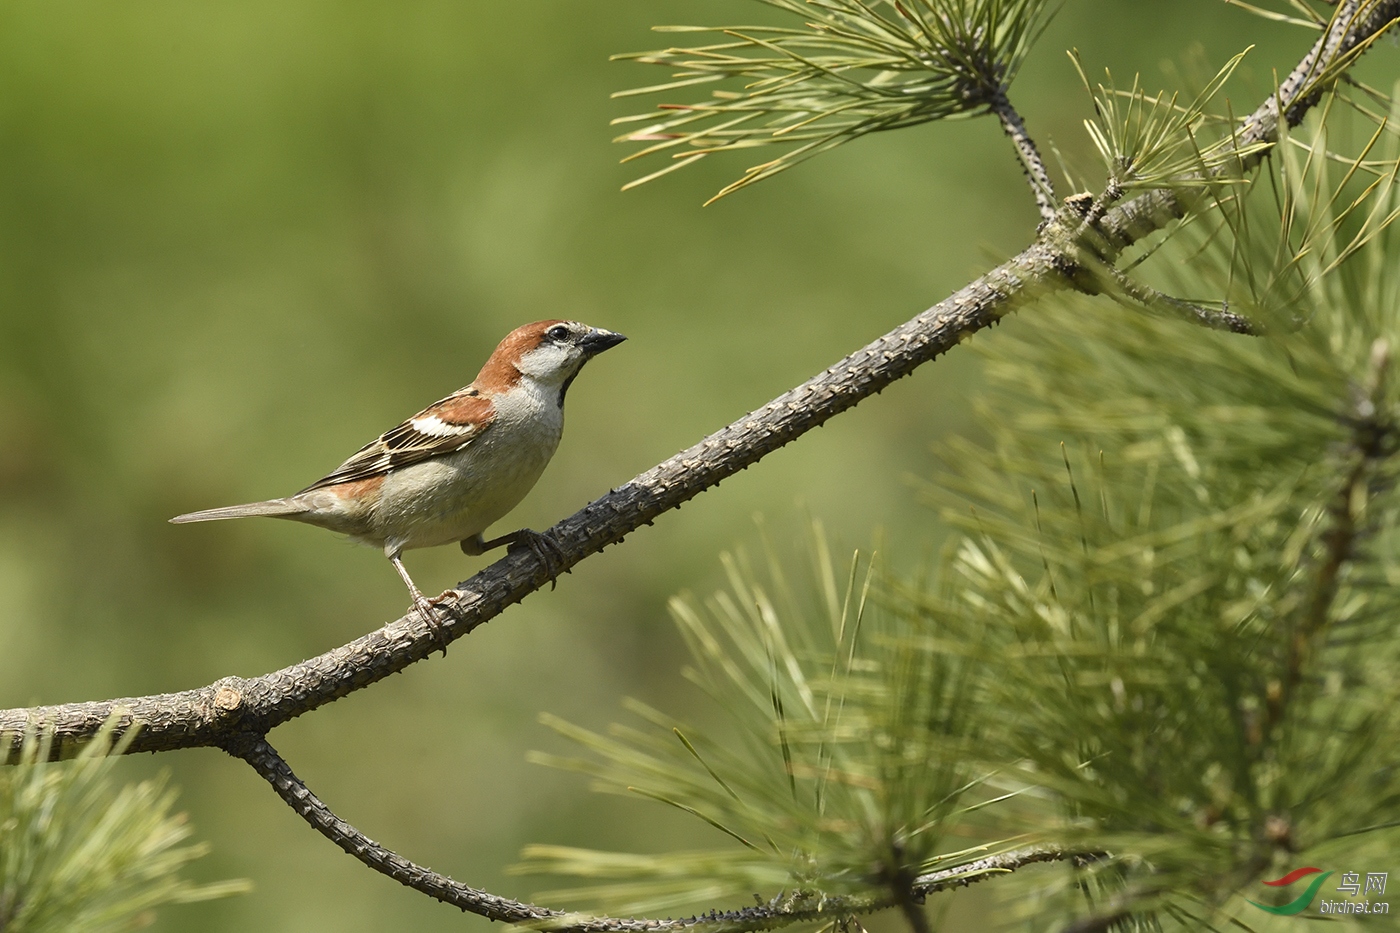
<point>545,549</point>
<point>421,603</point>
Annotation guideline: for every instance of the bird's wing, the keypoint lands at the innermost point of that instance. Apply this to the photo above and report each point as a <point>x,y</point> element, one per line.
<point>443,427</point>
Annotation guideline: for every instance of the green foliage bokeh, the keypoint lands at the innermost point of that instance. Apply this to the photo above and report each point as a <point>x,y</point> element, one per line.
<point>238,242</point>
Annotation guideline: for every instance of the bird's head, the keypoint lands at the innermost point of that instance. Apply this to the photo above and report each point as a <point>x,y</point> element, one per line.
<point>549,353</point>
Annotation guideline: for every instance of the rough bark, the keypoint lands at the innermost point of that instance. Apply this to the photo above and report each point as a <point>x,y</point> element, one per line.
<point>233,705</point>
<point>210,715</point>
<point>1031,161</point>
<point>236,713</point>
<point>267,762</point>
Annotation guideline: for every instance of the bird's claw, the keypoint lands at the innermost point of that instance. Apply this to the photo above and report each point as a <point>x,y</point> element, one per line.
<point>427,608</point>
<point>545,549</point>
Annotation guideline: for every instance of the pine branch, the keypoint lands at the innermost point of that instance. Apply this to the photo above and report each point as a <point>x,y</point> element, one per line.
<point>1358,23</point>
<point>1031,161</point>
<point>853,70</point>
<point>236,713</point>
<point>209,716</point>
<point>265,760</point>
<point>1373,440</point>
<point>911,905</point>
<point>1215,319</point>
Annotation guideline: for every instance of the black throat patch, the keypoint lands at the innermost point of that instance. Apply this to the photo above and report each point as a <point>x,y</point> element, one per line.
<point>565,387</point>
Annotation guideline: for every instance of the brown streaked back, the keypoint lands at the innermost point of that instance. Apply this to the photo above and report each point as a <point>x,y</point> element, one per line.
<point>444,427</point>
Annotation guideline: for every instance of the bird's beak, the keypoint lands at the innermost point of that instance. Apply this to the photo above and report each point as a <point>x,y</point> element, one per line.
<point>597,340</point>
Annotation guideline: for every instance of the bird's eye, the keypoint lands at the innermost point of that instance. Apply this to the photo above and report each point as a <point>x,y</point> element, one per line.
<point>557,332</point>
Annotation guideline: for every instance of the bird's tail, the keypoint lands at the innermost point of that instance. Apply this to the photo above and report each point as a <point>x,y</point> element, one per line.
<point>277,508</point>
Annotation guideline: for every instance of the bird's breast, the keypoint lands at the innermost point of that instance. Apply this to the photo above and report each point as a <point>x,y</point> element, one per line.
<point>460,495</point>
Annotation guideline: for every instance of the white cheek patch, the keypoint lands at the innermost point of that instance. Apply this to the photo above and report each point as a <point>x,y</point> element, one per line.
<point>433,426</point>
<point>550,363</point>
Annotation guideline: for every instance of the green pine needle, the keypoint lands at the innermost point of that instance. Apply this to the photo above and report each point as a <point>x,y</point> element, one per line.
<point>78,855</point>
<point>1196,677</point>
<point>1310,18</point>
<point>856,67</point>
<point>1147,141</point>
<point>1267,249</point>
<point>847,762</point>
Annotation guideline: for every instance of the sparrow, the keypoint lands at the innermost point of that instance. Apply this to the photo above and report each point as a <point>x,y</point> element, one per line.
<point>458,466</point>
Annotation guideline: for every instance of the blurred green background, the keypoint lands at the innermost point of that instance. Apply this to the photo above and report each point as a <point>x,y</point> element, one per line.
<point>238,241</point>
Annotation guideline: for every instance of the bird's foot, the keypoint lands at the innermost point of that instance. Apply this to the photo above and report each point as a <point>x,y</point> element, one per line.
<point>427,609</point>
<point>546,550</point>
<point>422,605</point>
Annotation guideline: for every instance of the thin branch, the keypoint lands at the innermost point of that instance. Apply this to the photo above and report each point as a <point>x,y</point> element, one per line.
<point>911,904</point>
<point>1151,298</point>
<point>1357,23</point>
<point>1031,162</point>
<point>270,765</point>
<point>1372,441</point>
<point>210,715</point>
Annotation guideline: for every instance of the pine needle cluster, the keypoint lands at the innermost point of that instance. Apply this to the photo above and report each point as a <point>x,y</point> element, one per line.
<point>851,68</point>
<point>1163,639</point>
<point>845,767</point>
<point>1191,549</point>
<point>78,855</point>
<point>1150,140</point>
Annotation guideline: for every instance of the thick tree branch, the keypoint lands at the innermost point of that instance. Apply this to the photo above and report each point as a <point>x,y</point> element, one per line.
<point>236,713</point>
<point>210,715</point>
<point>269,764</point>
<point>233,705</point>
<point>1031,161</point>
